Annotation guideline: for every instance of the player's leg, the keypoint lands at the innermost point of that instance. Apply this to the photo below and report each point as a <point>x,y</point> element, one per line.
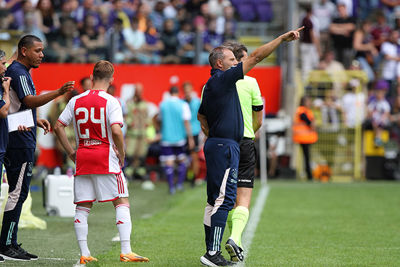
<point>19,164</point>
<point>222,163</point>
<point>240,214</point>
<point>84,196</point>
<point>113,187</point>
<point>167,159</point>
<point>182,166</point>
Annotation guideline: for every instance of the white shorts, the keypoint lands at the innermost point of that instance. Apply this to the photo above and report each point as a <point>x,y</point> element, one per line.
<point>99,187</point>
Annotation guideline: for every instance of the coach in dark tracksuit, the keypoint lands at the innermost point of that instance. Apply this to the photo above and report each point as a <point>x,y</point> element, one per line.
<point>221,119</point>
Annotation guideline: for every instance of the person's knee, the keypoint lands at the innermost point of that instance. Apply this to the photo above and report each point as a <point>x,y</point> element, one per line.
<point>121,200</point>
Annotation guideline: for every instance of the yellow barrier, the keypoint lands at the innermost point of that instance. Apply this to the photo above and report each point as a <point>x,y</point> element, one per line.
<point>338,146</point>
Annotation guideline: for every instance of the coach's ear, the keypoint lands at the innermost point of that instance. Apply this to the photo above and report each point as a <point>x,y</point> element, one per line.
<point>23,51</point>
<point>111,80</point>
<point>91,77</point>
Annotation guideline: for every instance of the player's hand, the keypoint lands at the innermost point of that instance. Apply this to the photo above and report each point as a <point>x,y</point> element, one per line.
<point>292,35</point>
<point>72,156</point>
<point>44,124</point>
<point>68,86</point>
<point>6,83</point>
<point>23,128</point>
<point>121,158</point>
<point>191,143</point>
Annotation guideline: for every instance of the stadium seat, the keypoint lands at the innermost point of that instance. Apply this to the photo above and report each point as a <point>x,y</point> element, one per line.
<point>264,11</point>
<point>246,11</point>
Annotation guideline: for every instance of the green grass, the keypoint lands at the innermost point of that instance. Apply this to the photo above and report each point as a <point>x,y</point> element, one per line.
<point>303,224</point>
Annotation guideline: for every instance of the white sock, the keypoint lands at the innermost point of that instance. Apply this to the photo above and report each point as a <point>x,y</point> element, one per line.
<point>124,225</point>
<point>212,252</point>
<point>81,229</point>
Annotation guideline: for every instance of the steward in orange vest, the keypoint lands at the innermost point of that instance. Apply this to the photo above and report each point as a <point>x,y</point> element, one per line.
<point>303,132</point>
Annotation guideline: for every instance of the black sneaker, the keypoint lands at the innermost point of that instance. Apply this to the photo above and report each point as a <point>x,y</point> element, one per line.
<point>10,253</point>
<point>215,260</point>
<point>1,259</point>
<point>234,251</point>
<point>26,253</point>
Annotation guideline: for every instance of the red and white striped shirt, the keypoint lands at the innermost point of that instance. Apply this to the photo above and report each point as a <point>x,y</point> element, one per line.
<point>92,113</point>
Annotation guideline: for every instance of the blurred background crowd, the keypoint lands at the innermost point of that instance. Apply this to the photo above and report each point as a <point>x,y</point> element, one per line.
<point>347,61</point>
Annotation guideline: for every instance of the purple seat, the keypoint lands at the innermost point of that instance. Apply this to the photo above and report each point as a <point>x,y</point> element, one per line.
<point>264,12</point>
<point>246,11</point>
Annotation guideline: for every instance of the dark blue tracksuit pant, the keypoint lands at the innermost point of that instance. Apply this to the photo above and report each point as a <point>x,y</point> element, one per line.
<point>222,160</point>
<point>19,164</point>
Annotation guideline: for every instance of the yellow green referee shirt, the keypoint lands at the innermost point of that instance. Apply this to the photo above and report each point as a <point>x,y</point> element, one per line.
<point>250,100</point>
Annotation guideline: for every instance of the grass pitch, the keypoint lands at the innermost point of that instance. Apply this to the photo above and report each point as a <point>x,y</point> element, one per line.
<point>302,224</point>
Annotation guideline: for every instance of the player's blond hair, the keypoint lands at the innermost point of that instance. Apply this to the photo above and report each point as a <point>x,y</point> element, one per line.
<point>103,70</point>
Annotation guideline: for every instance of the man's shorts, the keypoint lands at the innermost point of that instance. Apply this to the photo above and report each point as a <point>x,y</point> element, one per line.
<point>99,187</point>
<point>247,163</point>
<point>172,153</point>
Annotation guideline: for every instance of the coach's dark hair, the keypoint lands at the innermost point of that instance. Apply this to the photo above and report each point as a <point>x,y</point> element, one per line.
<point>27,41</point>
<point>103,70</point>
<point>237,48</point>
<point>216,53</point>
<point>2,54</point>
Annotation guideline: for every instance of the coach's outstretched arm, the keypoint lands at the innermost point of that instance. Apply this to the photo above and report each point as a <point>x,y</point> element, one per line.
<point>34,101</point>
<point>265,50</point>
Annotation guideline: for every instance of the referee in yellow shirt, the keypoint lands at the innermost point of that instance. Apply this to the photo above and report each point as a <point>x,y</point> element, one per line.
<point>252,110</point>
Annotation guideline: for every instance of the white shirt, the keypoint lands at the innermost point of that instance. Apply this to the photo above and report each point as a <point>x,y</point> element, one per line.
<point>389,68</point>
<point>324,14</point>
<point>134,38</point>
<point>353,108</point>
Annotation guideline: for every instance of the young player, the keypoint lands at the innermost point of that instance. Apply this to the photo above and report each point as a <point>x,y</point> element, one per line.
<point>97,119</point>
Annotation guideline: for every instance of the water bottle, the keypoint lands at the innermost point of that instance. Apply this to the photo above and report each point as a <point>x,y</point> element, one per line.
<point>70,172</point>
<point>57,171</point>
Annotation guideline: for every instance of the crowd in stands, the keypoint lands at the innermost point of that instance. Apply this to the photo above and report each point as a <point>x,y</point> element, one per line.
<point>355,35</point>
<point>136,31</point>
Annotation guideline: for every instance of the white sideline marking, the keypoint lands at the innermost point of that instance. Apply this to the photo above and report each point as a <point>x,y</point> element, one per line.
<point>254,219</point>
<point>52,259</point>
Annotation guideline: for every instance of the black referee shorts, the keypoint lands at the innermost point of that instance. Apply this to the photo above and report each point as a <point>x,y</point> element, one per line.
<point>247,163</point>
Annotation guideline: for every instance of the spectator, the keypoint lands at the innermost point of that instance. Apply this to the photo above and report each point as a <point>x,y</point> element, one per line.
<point>217,7</point>
<point>186,43</point>
<point>143,13</point>
<point>116,42</point>
<point>170,43</point>
<point>330,113</point>
<point>193,7</point>
<point>171,9</point>
<point>68,10</point>
<point>324,11</point>
<point>341,30</point>
<point>66,47</point>
<point>151,50</point>
<point>86,9</point>
<point>212,39</point>
<point>119,11</point>
<point>353,105</point>
<point>381,31</point>
<point>390,52</point>
<point>309,45</point>
<point>365,49</point>
<point>134,41</point>
<point>47,18</point>
<point>378,112</point>
<point>93,39</point>
<point>157,15</point>
<point>227,18</point>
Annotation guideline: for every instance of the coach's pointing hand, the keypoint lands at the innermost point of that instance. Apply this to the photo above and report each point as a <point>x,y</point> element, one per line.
<point>292,35</point>
<point>68,86</point>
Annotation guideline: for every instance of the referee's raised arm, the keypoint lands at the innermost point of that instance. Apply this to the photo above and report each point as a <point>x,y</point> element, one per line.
<point>265,50</point>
